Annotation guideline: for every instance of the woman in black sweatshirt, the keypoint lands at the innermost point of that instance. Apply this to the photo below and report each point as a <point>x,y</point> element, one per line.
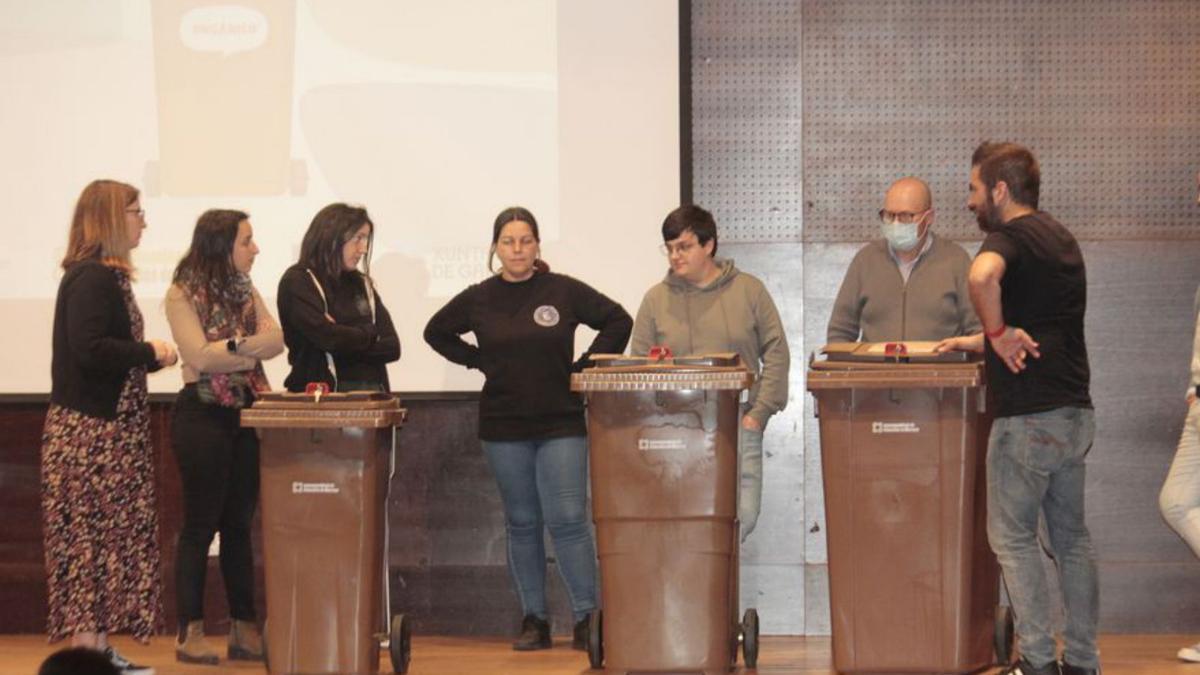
<point>335,326</point>
<point>530,423</point>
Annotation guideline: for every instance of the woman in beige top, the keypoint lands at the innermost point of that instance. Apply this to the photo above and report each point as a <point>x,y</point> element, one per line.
<point>224,331</point>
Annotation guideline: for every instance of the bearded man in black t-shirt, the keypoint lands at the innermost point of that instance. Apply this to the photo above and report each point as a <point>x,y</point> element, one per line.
<point>1029,287</point>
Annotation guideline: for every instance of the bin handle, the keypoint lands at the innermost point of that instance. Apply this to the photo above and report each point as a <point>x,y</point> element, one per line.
<point>317,389</point>
<point>387,538</point>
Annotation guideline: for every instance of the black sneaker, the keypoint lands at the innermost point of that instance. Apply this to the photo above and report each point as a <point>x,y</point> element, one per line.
<point>579,639</point>
<point>535,634</point>
<point>124,665</point>
<point>1068,669</point>
<point>1023,667</point>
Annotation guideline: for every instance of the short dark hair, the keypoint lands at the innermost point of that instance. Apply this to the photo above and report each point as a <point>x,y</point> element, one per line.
<point>1012,163</point>
<point>329,231</point>
<point>694,218</point>
<point>78,661</point>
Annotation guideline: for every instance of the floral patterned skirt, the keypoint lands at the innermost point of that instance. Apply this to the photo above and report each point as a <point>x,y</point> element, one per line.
<point>100,522</point>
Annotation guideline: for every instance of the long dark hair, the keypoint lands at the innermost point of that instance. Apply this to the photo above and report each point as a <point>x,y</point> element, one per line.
<point>207,270</point>
<point>512,214</point>
<point>331,228</point>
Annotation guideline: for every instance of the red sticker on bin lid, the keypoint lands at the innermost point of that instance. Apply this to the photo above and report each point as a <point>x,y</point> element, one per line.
<point>895,349</point>
<point>660,352</point>
<point>316,388</point>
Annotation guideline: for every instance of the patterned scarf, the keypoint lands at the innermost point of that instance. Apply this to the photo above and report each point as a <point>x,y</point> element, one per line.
<point>228,313</point>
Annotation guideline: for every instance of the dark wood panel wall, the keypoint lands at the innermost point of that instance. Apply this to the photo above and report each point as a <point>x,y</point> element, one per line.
<point>447,554</point>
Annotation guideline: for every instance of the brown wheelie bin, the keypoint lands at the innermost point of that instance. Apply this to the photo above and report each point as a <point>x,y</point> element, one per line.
<point>662,442</point>
<point>913,586</point>
<point>326,462</point>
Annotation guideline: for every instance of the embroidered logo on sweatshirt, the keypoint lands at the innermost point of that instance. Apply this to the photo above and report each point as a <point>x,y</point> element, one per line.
<point>546,315</point>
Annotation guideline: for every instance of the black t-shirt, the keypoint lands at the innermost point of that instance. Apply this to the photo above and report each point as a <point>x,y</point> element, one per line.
<point>1044,292</point>
<point>526,342</point>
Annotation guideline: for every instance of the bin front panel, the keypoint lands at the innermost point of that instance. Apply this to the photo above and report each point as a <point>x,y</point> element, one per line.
<point>663,454</point>
<point>323,494</point>
<point>912,584</point>
<point>666,594</point>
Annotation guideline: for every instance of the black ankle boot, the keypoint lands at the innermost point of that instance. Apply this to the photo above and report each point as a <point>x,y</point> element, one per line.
<point>579,639</point>
<point>1023,667</point>
<point>535,634</point>
<point>1068,669</point>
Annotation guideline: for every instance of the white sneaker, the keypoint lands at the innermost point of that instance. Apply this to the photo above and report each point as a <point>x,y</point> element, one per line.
<point>1190,653</point>
<point>124,665</point>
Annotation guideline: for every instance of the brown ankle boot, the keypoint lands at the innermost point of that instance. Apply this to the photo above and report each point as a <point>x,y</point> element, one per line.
<point>245,642</point>
<point>193,648</point>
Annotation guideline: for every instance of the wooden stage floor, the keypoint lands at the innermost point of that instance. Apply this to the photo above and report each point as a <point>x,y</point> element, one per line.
<point>1122,655</point>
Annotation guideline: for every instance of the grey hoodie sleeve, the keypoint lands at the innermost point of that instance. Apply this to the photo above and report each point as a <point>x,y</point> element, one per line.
<point>776,359</point>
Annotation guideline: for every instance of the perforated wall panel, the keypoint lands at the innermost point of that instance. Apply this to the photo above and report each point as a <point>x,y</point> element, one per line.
<point>746,117</point>
<point>1105,92</point>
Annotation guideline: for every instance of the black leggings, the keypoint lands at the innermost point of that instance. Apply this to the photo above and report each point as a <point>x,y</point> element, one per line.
<point>218,465</point>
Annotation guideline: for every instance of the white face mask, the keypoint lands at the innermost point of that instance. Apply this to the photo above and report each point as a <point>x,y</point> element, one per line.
<point>901,236</point>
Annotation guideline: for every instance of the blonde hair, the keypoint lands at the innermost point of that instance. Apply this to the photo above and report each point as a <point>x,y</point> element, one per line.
<point>98,229</point>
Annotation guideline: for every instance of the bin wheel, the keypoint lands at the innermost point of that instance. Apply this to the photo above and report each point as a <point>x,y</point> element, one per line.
<point>400,644</point>
<point>750,638</point>
<point>595,643</point>
<point>1002,640</point>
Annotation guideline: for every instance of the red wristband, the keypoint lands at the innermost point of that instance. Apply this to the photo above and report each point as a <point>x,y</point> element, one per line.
<point>992,335</point>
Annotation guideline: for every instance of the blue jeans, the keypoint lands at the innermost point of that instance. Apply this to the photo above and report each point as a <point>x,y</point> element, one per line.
<point>750,445</point>
<point>1035,463</point>
<point>545,483</point>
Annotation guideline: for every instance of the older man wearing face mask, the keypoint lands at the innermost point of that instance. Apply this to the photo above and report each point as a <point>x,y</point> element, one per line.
<point>909,285</point>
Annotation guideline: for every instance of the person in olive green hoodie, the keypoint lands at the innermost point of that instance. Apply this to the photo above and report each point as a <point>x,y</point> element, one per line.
<point>706,305</point>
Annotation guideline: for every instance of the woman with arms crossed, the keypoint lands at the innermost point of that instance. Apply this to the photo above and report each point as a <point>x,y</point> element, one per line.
<point>223,330</point>
<point>334,323</point>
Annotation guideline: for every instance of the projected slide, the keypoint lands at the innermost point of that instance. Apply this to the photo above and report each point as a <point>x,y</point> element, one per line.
<point>434,115</point>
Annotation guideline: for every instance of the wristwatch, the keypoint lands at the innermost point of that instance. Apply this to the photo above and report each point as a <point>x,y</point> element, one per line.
<point>231,345</point>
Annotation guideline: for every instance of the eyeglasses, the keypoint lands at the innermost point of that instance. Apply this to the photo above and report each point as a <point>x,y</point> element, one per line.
<point>682,248</point>
<point>140,213</point>
<point>903,217</point>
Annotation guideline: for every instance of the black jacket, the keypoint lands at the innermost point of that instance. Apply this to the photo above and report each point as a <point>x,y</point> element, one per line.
<point>361,349</point>
<point>94,348</point>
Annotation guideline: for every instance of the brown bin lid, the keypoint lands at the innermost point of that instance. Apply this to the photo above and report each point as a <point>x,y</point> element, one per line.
<point>869,366</point>
<point>908,351</point>
<point>640,373</point>
<point>372,410</point>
